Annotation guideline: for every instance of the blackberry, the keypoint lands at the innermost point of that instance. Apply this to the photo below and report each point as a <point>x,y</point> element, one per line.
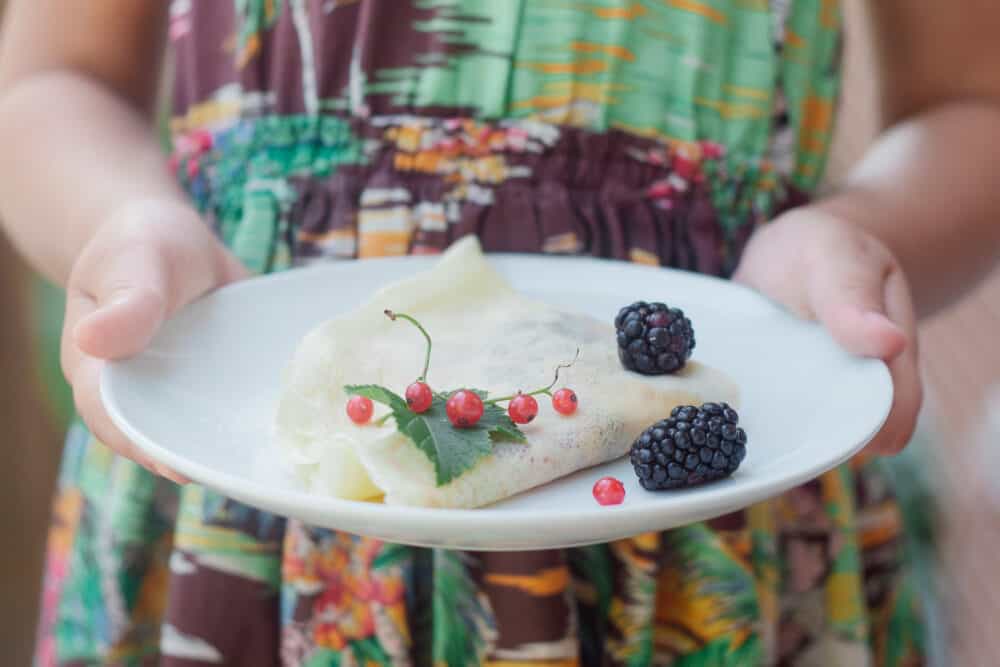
<point>653,339</point>
<point>691,447</point>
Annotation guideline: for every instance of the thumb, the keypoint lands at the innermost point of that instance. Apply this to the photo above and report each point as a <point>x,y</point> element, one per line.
<point>849,300</point>
<point>130,293</point>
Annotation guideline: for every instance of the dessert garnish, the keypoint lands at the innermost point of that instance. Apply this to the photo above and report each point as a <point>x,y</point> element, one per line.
<point>454,428</point>
<point>564,401</point>
<point>609,491</point>
<point>522,409</point>
<point>691,447</point>
<point>360,409</point>
<point>653,339</point>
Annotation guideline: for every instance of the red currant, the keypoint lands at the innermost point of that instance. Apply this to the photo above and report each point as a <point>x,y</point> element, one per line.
<point>564,401</point>
<point>464,409</point>
<point>360,409</point>
<point>609,491</point>
<point>419,397</point>
<point>522,409</point>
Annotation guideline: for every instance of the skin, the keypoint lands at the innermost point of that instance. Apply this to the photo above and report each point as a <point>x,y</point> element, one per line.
<point>910,230</point>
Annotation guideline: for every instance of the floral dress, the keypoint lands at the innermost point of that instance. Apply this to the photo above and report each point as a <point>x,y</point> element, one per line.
<point>652,131</point>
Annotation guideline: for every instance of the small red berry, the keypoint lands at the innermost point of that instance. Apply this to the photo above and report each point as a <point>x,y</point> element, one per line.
<point>193,168</point>
<point>564,401</point>
<point>464,409</point>
<point>609,491</point>
<point>522,409</point>
<point>419,397</point>
<point>360,409</point>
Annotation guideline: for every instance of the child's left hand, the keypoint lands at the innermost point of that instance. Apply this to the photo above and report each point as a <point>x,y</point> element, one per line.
<point>835,272</point>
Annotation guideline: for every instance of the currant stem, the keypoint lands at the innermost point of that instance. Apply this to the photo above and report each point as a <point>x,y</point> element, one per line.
<point>544,390</point>
<point>504,399</point>
<point>383,419</point>
<point>427,357</point>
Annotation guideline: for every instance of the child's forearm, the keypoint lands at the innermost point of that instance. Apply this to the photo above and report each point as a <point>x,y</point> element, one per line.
<point>73,153</point>
<point>930,190</point>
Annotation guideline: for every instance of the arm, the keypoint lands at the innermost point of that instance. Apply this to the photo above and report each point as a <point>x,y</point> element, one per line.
<point>919,212</point>
<point>77,90</point>
<point>929,188</point>
<point>84,189</point>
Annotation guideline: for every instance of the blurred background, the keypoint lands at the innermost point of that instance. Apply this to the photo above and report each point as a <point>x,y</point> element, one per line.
<point>955,450</point>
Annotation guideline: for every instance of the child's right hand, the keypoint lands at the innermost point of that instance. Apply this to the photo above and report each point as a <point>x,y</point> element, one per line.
<point>150,258</point>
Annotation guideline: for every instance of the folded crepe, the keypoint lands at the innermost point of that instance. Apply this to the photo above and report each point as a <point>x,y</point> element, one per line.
<point>487,336</point>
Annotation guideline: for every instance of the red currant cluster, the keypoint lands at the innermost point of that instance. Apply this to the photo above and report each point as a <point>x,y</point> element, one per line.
<point>464,407</point>
<point>523,407</point>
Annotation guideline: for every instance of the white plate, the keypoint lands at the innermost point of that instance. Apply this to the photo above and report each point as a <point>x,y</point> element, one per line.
<point>201,400</point>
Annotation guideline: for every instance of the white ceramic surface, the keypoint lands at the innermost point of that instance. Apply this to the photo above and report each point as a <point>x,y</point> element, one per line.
<point>201,400</point>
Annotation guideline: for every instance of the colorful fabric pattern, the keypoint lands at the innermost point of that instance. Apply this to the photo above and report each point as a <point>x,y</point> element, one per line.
<point>655,131</point>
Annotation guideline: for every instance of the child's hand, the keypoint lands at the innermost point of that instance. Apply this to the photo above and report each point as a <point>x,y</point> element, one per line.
<point>826,269</point>
<point>145,262</point>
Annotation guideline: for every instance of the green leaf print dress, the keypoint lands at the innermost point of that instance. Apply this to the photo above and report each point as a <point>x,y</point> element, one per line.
<point>653,131</point>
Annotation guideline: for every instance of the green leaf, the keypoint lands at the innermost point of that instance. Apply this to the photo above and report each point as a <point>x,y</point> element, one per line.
<point>501,428</point>
<point>507,433</point>
<point>452,450</point>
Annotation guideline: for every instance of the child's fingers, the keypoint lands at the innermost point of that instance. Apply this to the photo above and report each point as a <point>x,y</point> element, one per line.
<point>120,328</point>
<point>868,310</point>
<point>853,286</point>
<point>906,401</point>
<point>129,290</point>
<point>848,298</point>
<point>137,273</point>
<point>138,269</point>
<point>110,314</point>
<point>905,370</point>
